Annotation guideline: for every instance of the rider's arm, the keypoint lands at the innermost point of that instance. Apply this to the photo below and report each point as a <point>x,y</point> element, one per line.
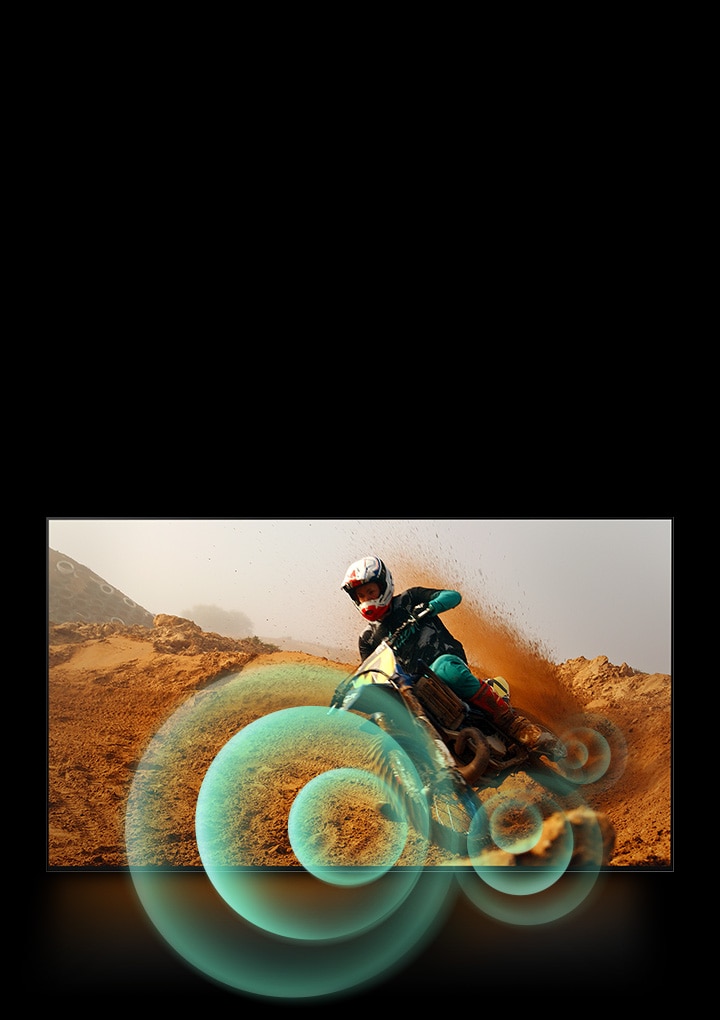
<point>366,644</point>
<point>444,600</point>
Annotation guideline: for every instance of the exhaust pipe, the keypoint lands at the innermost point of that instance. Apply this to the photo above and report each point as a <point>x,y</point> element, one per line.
<point>477,741</point>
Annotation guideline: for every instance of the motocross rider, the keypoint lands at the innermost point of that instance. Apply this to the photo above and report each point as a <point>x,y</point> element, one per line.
<point>369,584</point>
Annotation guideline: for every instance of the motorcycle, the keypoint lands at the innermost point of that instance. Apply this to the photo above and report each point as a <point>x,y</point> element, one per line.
<point>455,750</point>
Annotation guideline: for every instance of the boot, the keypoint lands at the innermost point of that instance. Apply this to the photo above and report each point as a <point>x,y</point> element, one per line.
<point>507,719</point>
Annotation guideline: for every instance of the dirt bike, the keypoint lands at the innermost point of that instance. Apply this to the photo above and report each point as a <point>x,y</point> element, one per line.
<point>454,749</point>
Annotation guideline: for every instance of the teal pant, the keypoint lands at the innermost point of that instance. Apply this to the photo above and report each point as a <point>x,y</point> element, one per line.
<point>456,674</point>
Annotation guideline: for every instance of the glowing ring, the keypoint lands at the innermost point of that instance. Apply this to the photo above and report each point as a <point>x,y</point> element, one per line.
<point>381,924</point>
<point>233,795</point>
<point>490,833</point>
<point>544,906</point>
<point>597,751</point>
<point>317,822</point>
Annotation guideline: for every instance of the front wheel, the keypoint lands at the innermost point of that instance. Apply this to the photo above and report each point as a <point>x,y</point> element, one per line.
<point>450,801</point>
<point>452,809</point>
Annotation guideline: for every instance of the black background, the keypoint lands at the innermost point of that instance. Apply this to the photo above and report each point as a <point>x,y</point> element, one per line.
<point>92,944</point>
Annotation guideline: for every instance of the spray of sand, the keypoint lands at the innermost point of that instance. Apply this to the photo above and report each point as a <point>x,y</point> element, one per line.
<point>494,644</point>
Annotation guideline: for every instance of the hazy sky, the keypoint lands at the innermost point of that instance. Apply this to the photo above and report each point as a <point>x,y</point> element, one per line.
<point>580,586</point>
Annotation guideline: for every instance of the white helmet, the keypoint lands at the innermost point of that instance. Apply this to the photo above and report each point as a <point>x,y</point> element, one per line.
<point>366,571</point>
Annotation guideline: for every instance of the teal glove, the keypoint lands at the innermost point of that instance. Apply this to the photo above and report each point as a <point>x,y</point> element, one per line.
<point>444,600</point>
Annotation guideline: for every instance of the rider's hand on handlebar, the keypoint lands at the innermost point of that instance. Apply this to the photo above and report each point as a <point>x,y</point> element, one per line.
<point>407,629</point>
<point>419,611</point>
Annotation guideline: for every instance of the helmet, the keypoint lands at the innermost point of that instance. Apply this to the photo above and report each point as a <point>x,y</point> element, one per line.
<point>365,571</point>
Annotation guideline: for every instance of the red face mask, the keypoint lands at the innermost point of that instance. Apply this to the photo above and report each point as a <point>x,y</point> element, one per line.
<point>372,611</point>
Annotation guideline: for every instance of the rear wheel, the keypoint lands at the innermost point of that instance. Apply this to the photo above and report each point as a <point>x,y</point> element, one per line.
<point>554,769</point>
<point>472,752</point>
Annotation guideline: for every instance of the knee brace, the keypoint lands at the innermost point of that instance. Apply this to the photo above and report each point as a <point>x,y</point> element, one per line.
<point>456,674</point>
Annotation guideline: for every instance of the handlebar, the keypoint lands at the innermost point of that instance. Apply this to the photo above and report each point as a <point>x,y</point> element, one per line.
<point>412,620</point>
<point>417,614</point>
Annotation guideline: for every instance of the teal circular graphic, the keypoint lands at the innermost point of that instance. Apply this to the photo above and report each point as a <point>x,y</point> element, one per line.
<point>596,751</point>
<point>319,818</point>
<point>521,874</point>
<point>515,825</point>
<point>213,939</point>
<point>280,911</point>
<point>588,755</point>
<point>578,752</point>
<point>283,932</point>
<point>535,907</point>
<point>233,795</point>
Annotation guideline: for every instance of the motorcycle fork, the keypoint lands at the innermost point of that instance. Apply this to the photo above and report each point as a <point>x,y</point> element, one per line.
<point>443,758</point>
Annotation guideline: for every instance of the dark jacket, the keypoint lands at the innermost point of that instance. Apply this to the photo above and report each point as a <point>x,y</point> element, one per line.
<point>430,639</point>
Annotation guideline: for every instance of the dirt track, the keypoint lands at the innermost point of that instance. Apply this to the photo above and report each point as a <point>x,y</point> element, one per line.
<point>113,687</point>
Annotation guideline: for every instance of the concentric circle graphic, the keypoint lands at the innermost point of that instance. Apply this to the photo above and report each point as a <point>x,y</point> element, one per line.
<point>280,933</point>
<point>232,796</point>
<point>523,852</point>
<point>528,907</point>
<point>319,819</point>
<point>212,938</point>
<point>337,895</point>
<point>597,751</point>
<point>515,826</point>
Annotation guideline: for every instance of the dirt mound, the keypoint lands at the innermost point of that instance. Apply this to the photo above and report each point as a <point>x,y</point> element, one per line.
<point>113,686</point>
